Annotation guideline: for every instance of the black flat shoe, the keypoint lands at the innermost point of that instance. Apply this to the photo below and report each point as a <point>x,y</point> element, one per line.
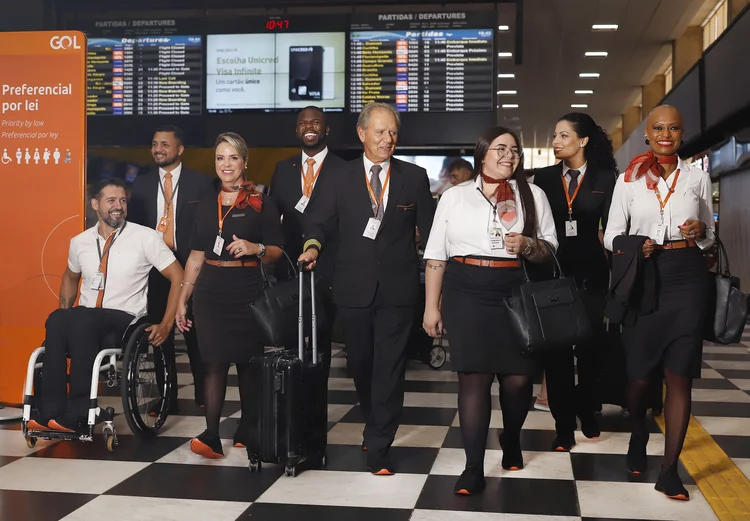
<point>207,446</point>
<point>378,464</point>
<point>637,460</point>
<point>471,482</point>
<point>512,455</point>
<point>670,484</point>
<point>590,426</point>
<point>563,443</point>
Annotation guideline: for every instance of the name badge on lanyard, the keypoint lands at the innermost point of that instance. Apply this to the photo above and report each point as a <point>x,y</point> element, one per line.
<point>571,225</point>
<point>219,242</point>
<point>371,230</point>
<point>98,281</point>
<point>302,204</point>
<point>660,229</point>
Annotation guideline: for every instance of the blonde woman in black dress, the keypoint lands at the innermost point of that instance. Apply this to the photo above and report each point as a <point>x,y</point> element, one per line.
<point>235,230</point>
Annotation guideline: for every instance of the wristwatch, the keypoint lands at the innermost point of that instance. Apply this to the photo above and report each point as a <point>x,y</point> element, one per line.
<point>262,251</point>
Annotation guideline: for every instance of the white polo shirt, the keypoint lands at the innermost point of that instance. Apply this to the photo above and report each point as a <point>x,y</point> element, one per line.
<point>135,250</point>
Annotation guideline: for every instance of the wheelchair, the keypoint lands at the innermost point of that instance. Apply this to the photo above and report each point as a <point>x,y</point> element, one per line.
<point>129,361</point>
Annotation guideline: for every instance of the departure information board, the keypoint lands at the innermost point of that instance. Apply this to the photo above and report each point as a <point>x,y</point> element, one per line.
<point>421,62</point>
<point>145,75</point>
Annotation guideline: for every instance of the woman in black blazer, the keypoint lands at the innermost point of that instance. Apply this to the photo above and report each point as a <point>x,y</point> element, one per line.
<point>579,189</point>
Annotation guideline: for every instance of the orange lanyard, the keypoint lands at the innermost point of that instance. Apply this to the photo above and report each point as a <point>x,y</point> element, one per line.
<point>671,191</point>
<point>309,183</point>
<point>221,218</point>
<point>567,195</point>
<point>382,192</point>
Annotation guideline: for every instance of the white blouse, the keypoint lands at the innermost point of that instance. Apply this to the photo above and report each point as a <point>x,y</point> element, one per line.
<point>635,202</point>
<point>463,217</point>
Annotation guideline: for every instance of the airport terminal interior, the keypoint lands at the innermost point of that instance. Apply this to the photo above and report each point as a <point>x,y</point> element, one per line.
<point>451,70</point>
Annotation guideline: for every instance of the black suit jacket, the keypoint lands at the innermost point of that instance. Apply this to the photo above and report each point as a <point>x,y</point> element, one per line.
<point>633,287</point>
<point>583,256</point>
<point>143,200</point>
<point>389,263</point>
<point>286,190</point>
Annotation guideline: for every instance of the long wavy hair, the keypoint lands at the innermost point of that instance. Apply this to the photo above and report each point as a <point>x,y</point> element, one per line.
<point>598,151</point>
<point>527,198</point>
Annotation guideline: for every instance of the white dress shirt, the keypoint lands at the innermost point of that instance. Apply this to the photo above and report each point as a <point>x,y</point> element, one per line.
<point>318,158</point>
<point>160,200</point>
<point>463,216</point>
<point>135,250</point>
<point>635,203</point>
<point>567,176</point>
<point>383,174</point>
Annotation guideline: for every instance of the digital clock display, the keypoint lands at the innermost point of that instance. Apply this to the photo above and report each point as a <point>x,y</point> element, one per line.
<point>277,24</point>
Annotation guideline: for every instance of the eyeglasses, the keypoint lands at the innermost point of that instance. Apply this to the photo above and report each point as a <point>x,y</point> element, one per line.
<point>502,151</point>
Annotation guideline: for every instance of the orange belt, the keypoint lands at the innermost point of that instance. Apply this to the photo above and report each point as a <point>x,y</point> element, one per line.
<point>233,264</point>
<point>486,263</point>
<point>676,245</point>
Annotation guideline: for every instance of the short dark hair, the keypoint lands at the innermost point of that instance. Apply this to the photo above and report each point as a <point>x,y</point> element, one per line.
<point>316,109</point>
<point>96,193</point>
<point>179,135</point>
<point>460,164</point>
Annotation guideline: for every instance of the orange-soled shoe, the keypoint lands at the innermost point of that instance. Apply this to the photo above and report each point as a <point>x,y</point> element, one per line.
<point>207,446</point>
<point>60,426</point>
<point>670,484</point>
<point>377,463</point>
<point>471,482</point>
<point>38,425</point>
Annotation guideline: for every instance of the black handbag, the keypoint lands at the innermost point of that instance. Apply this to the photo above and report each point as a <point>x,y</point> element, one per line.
<point>547,315</point>
<point>727,305</point>
<point>276,310</point>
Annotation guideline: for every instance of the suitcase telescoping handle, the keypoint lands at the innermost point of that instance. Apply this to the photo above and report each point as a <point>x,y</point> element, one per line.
<point>300,317</point>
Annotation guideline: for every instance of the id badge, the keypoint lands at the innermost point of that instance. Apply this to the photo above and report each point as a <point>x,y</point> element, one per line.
<point>218,245</point>
<point>302,204</point>
<point>496,239</point>
<point>571,228</point>
<point>162,226</point>
<point>658,234</point>
<point>97,281</point>
<point>371,230</point>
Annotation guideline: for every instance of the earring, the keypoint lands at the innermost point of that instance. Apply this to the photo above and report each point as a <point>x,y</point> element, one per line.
<point>647,141</point>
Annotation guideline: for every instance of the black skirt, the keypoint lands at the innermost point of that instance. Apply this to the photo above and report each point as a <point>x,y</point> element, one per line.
<point>221,304</point>
<point>673,333</point>
<point>476,320</point>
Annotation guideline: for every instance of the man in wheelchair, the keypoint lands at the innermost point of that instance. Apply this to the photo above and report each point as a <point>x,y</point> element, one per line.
<point>112,260</point>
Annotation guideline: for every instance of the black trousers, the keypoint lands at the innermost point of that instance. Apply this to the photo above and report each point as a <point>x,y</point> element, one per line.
<point>566,399</point>
<point>376,339</point>
<point>158,294</point>
<point>76,333</point>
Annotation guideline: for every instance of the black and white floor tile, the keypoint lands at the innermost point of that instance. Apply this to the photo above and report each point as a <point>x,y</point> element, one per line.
<point>161,478</point>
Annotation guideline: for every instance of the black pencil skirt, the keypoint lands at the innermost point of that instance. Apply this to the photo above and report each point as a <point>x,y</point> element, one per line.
<point>673,333</point>
<point>476,320</point>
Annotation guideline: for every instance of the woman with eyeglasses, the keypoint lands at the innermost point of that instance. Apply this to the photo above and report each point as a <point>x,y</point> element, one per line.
<point>579,189</point>
<point>481,233</point>
<point>662,210</point>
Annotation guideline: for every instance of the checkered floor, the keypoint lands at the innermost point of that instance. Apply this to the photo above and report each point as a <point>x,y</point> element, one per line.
<point>161,479</point>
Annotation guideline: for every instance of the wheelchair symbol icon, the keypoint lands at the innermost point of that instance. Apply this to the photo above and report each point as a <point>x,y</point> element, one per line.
<point>6,158</point>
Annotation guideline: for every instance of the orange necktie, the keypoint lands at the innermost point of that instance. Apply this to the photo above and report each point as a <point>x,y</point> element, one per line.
<point>169,211</point>
<point>103,268</point>
<point>309,177</point>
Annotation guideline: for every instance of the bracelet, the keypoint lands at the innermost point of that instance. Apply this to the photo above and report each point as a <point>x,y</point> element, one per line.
<point>182,284</point>
<point>528,249</point>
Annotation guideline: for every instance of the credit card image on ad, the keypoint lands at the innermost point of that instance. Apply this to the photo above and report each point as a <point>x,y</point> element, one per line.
<point>306,73</point>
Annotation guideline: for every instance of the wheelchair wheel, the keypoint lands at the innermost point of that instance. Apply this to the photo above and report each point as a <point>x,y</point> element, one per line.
<point>145,403</point>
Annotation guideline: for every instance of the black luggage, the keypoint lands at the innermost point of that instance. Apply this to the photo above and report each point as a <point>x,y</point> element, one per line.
<point>292,405</point>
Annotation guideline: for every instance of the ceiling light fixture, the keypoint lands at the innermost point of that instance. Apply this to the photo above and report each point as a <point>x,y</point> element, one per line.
<point>506,75</point>
<point>584,92</point>
<point>505,54</point>
<point>507,92</point>
<point>579,106</point>
<point>510,106</point>
<point>604,27</point>
<point>596,54</point>
<point>588,75</point>
<point>503,28</point>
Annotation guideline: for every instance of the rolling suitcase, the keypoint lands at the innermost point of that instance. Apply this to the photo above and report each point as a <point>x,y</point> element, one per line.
<point>291,425</point>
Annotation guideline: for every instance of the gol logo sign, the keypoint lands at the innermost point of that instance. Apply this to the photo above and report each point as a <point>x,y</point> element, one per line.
<point>64,42</point>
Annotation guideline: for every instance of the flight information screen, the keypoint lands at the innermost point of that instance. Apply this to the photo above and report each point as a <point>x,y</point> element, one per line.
<point>145,75</point>
<point>422,62</point>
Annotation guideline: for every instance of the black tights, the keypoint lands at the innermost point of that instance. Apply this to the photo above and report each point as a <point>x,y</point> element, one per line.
<point>474,410</point>
<point>676,412</point>
<point>216,388</point>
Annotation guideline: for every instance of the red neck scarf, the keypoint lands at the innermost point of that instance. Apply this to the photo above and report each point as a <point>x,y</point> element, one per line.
<point>649,165</point>
<point>248,196</point>
<point>505,199</point>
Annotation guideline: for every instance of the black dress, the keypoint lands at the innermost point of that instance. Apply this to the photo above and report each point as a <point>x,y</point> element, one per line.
<point>227,332</point>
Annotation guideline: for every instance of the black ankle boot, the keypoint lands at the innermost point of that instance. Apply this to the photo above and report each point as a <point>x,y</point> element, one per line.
<point>670,484</point>
<point>512,455</point>
<point>637,460</point>
<point>471,481</point>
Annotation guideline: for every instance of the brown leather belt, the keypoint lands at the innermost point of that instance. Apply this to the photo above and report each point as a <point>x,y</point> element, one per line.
<point>676,245</point>
<point>487,263</point>
<point>233,264</point>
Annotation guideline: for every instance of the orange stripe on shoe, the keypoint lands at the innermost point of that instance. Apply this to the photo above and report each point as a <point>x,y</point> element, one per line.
<point>383,472</point>
<point>239,445</point>
<point>36,426</point>
<point>463,492</point>
<point>56,426</point>
<point>204,450</point>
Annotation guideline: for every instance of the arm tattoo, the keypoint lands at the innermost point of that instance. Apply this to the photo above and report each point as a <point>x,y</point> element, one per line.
<point>435,265</point>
